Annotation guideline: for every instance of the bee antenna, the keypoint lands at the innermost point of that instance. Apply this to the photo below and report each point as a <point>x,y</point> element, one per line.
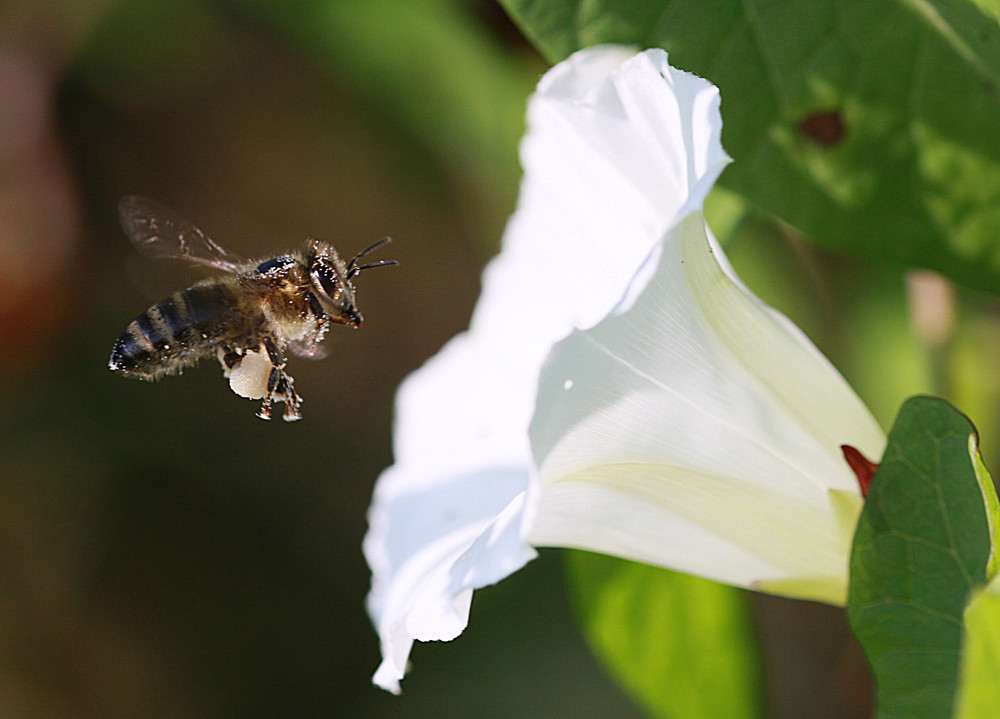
<point>381,263</point>
<point>353,268</point>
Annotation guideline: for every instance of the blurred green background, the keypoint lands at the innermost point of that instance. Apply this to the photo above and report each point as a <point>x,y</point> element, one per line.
<point>164,553</point>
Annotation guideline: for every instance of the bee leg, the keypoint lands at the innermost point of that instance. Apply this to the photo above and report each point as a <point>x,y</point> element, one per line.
<point>279,386</point>
<point>287,394</point>
<point>265,408</point>
<point>273,383</point>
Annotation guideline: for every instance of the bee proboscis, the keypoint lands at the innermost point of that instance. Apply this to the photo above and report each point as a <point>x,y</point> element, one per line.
<point>247,317</point>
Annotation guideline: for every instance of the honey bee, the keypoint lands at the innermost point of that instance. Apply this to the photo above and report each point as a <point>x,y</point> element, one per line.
<point>248,317</point>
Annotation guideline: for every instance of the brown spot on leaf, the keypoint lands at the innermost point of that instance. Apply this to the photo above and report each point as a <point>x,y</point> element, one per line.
<point>826,129</point>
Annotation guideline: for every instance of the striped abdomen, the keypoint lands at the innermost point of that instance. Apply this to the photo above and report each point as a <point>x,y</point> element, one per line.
<point>177,331</point>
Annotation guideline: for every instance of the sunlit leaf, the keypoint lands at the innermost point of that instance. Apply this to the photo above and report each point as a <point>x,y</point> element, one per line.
<point>682,647</point>
<point>979,697</point>
<point>922,547</point>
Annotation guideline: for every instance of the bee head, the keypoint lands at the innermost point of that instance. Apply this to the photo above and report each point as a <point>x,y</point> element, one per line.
<point>331,280</point>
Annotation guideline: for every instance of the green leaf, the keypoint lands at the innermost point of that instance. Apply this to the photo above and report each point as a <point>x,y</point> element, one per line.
<point>979,695</point>
<point>922,546</point>
<point>980,692</point>
<point>870,126</point>
<point>681,646</point>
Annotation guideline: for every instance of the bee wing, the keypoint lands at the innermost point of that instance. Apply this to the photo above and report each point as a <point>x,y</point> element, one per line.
<point>308,350</point>
<point>159,233</point>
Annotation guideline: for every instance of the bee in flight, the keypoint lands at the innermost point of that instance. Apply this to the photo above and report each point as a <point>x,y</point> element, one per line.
<point>248,317</point>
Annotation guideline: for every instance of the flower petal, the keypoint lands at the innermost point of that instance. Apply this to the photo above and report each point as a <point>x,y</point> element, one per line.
<point>700,430</point>
<point>619,148</point>
<point>429,549</point>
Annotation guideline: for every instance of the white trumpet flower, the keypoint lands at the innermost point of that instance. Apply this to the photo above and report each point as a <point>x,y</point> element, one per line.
<point>618,390</point>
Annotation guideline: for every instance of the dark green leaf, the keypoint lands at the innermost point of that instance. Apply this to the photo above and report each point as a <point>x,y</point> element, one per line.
<point>870,126</point>
<point>682,646</point>
<point>921,547</point>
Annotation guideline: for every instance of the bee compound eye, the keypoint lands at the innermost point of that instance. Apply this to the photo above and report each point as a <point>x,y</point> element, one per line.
<point>271,265</point>
<point>327,279</point>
